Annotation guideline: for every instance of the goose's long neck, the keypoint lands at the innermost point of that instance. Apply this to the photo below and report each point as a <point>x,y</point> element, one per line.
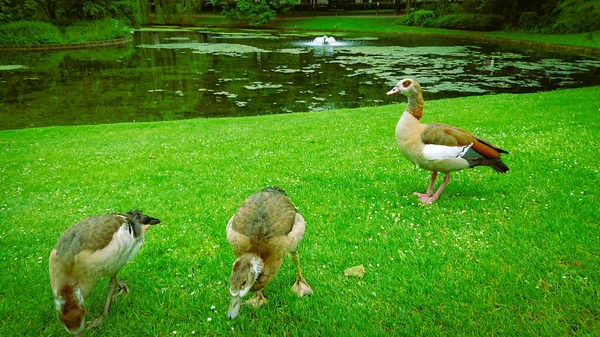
<point>415,105</point>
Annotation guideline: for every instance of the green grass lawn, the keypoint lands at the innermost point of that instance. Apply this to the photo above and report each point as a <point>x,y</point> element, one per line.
<point>496,255</point>
<point>388,23</point>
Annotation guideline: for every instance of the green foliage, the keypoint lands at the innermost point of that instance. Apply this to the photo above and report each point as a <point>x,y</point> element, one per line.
<point>492,6</point>
<point>422,18</point>
<point>98,30</point>
<point>441,7</point>
<point>529,20</point>
<point>60,10</point>
<point>577,16</point>
<point>18,10</point>
<point>475,22</point>
<point>468,6</point>
<point>255,12</point>
<point>27,32</point>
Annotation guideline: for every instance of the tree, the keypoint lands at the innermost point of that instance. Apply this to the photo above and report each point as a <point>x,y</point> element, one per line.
<point>256,12</point>
<point>16,10</point>
<point>577,16</point>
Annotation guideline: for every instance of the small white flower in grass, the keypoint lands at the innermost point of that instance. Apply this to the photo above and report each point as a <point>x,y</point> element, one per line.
<point>212,307</point>
<point>219,282</point>
<point>209,319</point>
<point>194,332</point>
<point>174,332</point>
<point>192,294</point>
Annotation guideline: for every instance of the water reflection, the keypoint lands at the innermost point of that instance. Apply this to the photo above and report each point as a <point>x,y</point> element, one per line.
<point>189,73</point>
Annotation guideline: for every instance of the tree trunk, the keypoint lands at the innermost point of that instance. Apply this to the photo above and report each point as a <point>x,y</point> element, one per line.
<point>407,6</point>
<point>514,19</point>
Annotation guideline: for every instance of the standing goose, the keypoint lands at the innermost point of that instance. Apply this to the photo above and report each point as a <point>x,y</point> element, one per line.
<point>439,147</point>
<point>262,232</point>
<point>92,248</point>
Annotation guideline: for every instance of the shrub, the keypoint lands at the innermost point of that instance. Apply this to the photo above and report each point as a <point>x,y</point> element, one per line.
<point>29,32</point>
<point>423,18</point>
<point>529,20</point>
<point>98,30</point>
<point>577,16</point>
<point>469,22</point>
<point>18,10</point>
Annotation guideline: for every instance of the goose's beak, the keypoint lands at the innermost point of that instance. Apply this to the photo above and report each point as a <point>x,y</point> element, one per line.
<point>234,307</point>
<point>394,91</point>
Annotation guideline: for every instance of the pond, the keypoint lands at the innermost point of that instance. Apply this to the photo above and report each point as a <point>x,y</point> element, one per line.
<point>170,74</point>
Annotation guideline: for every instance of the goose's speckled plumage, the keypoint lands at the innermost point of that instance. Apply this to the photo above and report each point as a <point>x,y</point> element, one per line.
<point>265,228</point>
<point>439,147</point>
<point>92,248</point>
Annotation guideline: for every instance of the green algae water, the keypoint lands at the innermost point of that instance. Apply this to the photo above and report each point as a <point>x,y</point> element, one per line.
<point>172,73</point>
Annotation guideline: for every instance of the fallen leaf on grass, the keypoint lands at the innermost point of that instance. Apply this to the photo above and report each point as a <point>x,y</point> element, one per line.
<point>357,271</point>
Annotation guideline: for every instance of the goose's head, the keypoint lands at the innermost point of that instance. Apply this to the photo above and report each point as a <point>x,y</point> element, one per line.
<point>144,220</point>
<point>407,87</point>
<point>246,270</point>
<point>71,309</point>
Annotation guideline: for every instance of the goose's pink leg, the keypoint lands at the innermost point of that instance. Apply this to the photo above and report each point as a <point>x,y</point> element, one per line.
<point>430,197</point>
<point>430,189</point>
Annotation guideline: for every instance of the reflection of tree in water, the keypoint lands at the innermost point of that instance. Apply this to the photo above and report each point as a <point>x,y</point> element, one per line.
<point>185,74</point>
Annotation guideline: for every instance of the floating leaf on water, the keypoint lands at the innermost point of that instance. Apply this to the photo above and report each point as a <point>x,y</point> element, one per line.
<point>247,36</point>
<point>295,51</point>
<point>207,48</point>
<point>259,85</point>
<point>286,70</point>
<point>366,38</point>
<point>225,93</point>
<point>12,67</point>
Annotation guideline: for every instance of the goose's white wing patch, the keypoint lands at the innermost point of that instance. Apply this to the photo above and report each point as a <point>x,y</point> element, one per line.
<point>439,152</point>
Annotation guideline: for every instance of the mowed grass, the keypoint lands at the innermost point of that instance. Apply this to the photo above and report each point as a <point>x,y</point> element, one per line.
<point>496,255</point>
<point>389,24</point>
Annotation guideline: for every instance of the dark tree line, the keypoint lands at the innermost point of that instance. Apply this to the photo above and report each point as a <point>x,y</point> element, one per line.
<point>58,11</point>
<point>539,16</point>
<point>559,16</point>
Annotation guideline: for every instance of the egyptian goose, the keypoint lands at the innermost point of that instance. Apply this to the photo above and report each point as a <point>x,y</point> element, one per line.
<point>262,232</point>
<point>92,248</point>
<point>438,147</point>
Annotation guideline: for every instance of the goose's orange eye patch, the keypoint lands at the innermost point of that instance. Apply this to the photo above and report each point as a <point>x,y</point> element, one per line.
<point>406,84</point>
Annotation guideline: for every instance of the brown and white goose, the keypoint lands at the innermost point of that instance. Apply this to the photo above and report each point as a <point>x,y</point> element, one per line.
<point>262,232</point>
<point>439,147</point>
<point>92,248</point>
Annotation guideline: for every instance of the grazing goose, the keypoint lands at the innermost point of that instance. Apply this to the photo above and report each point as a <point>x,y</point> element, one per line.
<point>262,232</point>
<point>92,248</point>
<point>438,147</point>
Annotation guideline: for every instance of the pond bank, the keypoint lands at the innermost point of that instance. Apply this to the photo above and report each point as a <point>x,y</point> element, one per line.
<point>66,46</point>
<point>564,48</point>
<point>584,44</point>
